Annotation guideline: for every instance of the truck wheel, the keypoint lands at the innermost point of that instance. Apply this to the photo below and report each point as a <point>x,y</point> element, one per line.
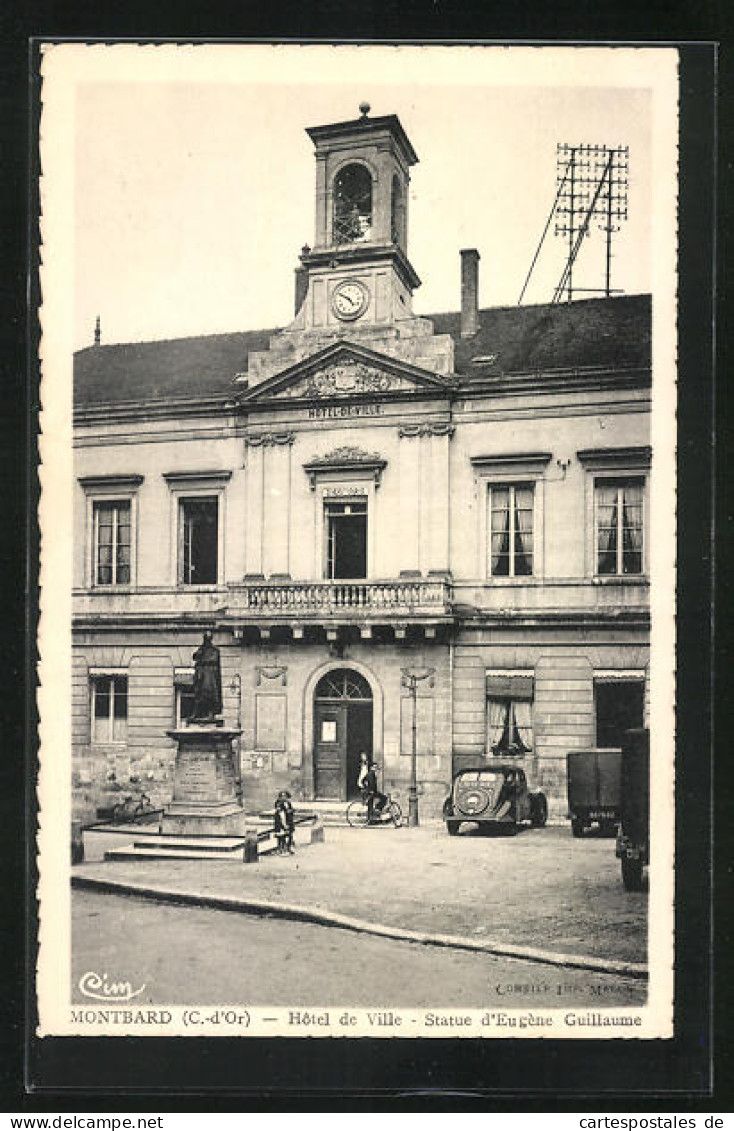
<point>452,827</point>
<point>632,874</point>
<point>577,826</point>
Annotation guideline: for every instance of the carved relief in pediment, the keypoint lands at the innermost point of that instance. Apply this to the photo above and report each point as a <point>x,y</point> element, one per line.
<point>344,379</point>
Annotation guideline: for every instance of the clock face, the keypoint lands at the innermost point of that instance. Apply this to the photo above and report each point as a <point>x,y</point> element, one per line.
<point>349,300</point>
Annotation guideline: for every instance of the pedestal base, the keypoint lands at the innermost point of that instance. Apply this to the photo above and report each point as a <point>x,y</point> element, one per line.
<point>205,801</point>
<point>204,820</point>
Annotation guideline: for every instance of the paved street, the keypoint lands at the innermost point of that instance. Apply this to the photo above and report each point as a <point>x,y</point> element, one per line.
<point>541,888</point>
<point>196,955</point>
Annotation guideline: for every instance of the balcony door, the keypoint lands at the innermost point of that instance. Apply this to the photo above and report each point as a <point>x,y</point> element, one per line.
<point>343,728</point>
<point>346,539</point>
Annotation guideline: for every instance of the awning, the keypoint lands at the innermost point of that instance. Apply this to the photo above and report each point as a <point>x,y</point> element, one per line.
<point>510,686</point>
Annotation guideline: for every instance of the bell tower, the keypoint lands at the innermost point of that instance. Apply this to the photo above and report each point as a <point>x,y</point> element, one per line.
<point>358,271</point>
<point>357,282</point>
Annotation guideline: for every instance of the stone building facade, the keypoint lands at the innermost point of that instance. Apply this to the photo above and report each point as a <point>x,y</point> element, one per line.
<point>363,494</point>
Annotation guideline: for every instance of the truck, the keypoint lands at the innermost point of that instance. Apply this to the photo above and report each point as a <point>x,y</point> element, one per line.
<point>593,787</point>
<point>633,838</point>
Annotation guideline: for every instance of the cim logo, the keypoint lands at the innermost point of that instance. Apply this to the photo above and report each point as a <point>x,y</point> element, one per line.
<point>99,988</point>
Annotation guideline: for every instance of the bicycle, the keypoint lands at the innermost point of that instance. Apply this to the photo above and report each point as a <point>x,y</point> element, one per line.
<point>358,813</point>
<point>131,808</point>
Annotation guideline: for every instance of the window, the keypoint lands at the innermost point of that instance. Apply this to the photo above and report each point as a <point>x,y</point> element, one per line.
<point>111,509</point>
<point>511,530</point>
<point>397,212</point>
<point>509,728</point>
<point>352,205</point>
<point>509,541</point>
<point>615,504</point>
<point>183,683</point>
<point>619,525</point>
<point>112,542</point>
<point>109,709</point>
<point>198,540</point>
<point>346,538</point>
<point>509,714</point>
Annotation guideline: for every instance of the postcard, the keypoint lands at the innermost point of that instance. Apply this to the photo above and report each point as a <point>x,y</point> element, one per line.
<point>357,467</point>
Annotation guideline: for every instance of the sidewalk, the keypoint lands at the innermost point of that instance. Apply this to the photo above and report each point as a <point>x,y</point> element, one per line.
<point>541,892</point>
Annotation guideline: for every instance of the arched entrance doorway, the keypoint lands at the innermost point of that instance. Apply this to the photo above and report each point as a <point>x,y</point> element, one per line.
<point>342,729</point>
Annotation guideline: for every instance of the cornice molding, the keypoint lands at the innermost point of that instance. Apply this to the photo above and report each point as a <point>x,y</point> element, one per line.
<point>265,439</point>
<point>110,482</point>
<point>599,459</point>
<point>410,431</point>
<point>512,461</point>
<point>173,478</point>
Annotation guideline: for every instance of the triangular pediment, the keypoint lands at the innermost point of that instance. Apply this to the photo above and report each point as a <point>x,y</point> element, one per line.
<point>344,370</point>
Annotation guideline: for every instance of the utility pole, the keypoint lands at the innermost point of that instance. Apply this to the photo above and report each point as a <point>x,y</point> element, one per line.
<point>411,679</point>
<point>592,184</point>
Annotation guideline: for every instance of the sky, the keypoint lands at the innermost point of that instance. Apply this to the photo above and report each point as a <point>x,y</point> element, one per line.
<point>193,177</point>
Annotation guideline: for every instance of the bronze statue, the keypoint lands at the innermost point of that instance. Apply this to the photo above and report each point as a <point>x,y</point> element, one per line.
<point>207,681</point>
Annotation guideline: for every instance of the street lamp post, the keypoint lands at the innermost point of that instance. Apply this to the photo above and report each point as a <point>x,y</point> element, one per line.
<point>411,679</point>
<point>235,687</point>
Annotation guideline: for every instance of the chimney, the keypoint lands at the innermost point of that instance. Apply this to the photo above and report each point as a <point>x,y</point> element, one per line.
<point>469,292</point>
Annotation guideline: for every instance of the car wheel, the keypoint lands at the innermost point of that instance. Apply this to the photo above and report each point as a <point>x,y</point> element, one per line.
<point>632,874</point>
<point>538,810</point>
<point>452,827</point>
<point>577,826</point>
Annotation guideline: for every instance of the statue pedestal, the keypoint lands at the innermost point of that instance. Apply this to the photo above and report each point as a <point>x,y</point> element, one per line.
<point>205,801</point>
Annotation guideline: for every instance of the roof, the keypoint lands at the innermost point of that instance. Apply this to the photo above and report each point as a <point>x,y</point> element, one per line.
<point>600,332</point>
<point>389,122</point>
<point>593,333</point>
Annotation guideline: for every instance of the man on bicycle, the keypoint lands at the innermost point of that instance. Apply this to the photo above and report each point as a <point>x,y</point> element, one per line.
<point>376,801</point>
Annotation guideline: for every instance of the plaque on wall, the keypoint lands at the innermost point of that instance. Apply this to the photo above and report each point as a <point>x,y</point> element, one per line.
<point>270,715</point>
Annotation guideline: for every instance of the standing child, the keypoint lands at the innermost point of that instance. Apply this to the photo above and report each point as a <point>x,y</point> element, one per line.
<point>284,823</point>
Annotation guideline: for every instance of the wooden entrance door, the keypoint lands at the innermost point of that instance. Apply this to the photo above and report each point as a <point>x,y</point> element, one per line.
<point>330,751</point>
<point>342,729</point>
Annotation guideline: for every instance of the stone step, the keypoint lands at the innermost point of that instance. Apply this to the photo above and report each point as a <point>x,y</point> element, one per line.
<point>328,812</point>
<point>207,848</point>
<point>208,845</point>
<point>154,852</point>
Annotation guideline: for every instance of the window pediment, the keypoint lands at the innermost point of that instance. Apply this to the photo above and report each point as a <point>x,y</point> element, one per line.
<point>345,459</point>
<point>607,459</point>
<point>520,463</point>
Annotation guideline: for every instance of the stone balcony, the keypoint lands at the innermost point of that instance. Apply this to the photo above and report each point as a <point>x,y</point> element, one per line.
<point>394,602</point>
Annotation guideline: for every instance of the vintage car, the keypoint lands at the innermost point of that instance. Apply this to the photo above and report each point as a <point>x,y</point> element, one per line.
<point>493,796</point>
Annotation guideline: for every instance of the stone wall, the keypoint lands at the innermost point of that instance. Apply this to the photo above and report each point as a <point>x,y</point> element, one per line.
<point>563,711</point>
<point>268,692</point>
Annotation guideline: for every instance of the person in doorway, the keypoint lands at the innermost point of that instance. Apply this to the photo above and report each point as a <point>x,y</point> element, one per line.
<point>364,769</point>
<point>376,801</point>
<point>284,823</point>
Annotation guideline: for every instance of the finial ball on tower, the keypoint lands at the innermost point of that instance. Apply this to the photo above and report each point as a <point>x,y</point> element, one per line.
<point>364,109</point>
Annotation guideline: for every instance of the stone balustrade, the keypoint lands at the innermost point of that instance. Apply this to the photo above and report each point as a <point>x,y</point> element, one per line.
<point>339,598</point>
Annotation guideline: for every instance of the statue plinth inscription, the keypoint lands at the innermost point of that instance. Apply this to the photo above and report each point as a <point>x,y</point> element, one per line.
<point>205,797</point>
